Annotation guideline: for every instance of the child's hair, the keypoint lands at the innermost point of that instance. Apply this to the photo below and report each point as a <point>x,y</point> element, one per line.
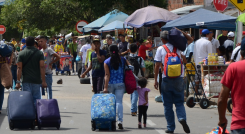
<point>142,82</point>
<point>133,48</point>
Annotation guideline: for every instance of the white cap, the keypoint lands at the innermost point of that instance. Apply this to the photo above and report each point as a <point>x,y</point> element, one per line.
<point>231,34</point>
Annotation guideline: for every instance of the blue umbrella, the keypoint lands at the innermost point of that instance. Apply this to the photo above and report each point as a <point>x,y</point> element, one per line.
<point>112,26</point>
<point>108,18</point>
<point>149,15</point>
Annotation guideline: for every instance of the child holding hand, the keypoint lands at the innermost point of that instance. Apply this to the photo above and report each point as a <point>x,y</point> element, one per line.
<point>143,100</point>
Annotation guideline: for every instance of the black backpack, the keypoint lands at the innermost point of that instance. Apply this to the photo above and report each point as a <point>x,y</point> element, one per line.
<point>134,62</point>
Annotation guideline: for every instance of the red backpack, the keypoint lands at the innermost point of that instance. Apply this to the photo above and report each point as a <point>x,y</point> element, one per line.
<point>130,81</point>
<point>172,63</point>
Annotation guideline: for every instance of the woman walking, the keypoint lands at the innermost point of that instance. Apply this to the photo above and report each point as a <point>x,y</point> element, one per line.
<point>114,79</point>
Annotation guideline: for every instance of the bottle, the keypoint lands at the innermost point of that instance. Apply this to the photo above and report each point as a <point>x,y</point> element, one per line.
<point>216,59</point>
<point>209,59</point>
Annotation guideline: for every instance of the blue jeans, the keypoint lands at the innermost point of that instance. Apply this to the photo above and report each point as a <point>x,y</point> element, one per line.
<point>173,93</point>
<point>49,81</point>
<point>1,95</point>
<point>134,100</point>
<point>118,89</point>
<point>238,131</point>
<point>34,89</point>
<point>14,74</point>
<point>73,61</point>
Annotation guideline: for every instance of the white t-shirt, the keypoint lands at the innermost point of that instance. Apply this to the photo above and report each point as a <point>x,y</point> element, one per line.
<point>161,53</point>
<point>228,43</point>
<point>215,45</point>
<point>84,51</point>
<point>238,55</point>
<point>202,48</point>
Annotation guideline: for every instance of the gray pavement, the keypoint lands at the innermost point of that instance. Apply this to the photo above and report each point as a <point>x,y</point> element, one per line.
<point>74,102</point>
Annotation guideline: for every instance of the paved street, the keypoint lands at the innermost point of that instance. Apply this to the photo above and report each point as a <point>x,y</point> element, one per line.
<point>74,102</point>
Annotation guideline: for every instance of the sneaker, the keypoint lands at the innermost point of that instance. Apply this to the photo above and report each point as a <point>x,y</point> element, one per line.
<point>134,114</point>
<point>144,125</point>
<point>169,132</point>
<point>185,126</point>
<point>139,126</point>
<point>74,73</point>
<point>6,91</point>
<point>120,126</point>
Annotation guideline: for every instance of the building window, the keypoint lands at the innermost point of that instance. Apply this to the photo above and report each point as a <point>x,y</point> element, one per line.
<point>188,1</point>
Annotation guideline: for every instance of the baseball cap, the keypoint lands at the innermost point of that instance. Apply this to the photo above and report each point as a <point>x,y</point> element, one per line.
<point>59,40</point>
<point>96,38</point>
<point>205,31</point>
<point>108,36</point>
<point>164,34</point>
<point>243,44</point>
<point>231,34</point>
<point>23,40</point>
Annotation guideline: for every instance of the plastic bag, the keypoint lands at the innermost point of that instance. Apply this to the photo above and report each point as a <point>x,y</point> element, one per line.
<point>218,130</point>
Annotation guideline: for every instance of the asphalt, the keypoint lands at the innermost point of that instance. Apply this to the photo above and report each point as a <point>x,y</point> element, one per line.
<point>74,103</point>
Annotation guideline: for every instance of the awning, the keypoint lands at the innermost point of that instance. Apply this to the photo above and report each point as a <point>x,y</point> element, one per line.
<point>203,19</point>
<point>112,26</point>
<point>186,9</point>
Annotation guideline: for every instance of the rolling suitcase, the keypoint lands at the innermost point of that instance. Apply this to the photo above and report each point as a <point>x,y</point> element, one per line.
<point>103,112</point>
<point>48,114</point>
<point>21,110</point>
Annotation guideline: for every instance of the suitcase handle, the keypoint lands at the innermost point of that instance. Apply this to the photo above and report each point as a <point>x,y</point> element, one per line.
<point>44,91</point>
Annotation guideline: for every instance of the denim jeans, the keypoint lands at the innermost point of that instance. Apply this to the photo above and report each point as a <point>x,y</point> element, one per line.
<point>173,93</point>
<point>238,131</point>
<point>118,89</point>
<point>74,61</point>
<point>14,74</point>
<point>134,99</point>
<point>49,81</point>
<point>34,89</point>
<point>1,95</point>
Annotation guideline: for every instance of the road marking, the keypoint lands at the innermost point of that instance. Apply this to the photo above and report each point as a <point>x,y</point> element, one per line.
<point>160,131</point>
<point>150,123</point>
<point>129,105</point>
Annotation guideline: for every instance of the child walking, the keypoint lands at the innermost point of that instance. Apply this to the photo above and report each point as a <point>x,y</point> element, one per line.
<point>143,100</point>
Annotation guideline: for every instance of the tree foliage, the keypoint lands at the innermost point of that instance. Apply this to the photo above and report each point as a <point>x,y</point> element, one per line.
<point>50,16</point>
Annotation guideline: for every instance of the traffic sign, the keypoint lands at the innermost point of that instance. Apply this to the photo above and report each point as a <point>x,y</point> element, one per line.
<point>79,26</point>
<point>2,29</point>
<point>239,4</point>
<point>220,5</point>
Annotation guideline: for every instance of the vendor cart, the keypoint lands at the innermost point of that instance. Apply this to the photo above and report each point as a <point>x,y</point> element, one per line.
<point>209,84</point>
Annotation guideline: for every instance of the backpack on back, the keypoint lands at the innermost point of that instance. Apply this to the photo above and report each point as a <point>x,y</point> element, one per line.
<point>172,63</point>
<point>134,62</point>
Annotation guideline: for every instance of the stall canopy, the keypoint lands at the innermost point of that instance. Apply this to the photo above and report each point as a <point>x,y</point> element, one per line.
<point>149,15</point>
<point>106,19</point>
<point>113,25</point>
<point>203,19</point>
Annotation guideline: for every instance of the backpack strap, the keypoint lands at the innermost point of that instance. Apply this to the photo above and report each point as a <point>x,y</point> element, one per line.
<point>168,51</point>
<point>235,56</point>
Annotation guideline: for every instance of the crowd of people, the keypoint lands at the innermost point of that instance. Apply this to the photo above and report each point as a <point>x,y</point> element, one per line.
<point>33,60</point>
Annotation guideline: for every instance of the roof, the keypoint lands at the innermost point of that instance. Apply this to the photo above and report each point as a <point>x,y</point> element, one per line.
<point>203,18</point>
<point>186,9</point>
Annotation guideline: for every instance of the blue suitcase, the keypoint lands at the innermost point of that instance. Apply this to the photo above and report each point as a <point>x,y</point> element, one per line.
<point>21,110</point>
<point>103,112</point>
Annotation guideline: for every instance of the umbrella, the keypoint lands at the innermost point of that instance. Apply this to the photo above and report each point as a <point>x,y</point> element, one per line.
<point>112,26</point>
<point>149,15</point>
<point>106,19</point>
<point>241,18</point>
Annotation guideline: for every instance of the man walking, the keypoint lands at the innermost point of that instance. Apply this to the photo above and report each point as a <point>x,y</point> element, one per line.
<point>73,51</point>
<point>172,93</point>
<point>233,81</point>
<point>123,46</point>
<point>215,42</point>
<point>31,67</point>
<point>107,46</point>
<point>48,53</point>
<point>83,52</point>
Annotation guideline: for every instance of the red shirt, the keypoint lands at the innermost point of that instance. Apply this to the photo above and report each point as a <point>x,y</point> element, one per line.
<point>142,52</point>
<point>234,79</point>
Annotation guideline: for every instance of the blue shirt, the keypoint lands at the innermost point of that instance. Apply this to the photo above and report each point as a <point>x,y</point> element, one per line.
<point>97,67</point>
<point>116,76</point>
<point>189,49</point>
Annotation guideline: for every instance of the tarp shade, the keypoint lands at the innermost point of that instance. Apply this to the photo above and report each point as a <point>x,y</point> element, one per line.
<point>112,26</point>
<point>210,19</point>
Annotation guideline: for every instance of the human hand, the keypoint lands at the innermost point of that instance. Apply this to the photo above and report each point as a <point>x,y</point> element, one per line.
<point>50,66</point>
<point>44,84</point>
<point>83,76</point>
<point>145,104</point>
<point>85,67</point>
<point>17,86</point>
<point>105,90</point>
<point>156,85</point>
<point>223,122</point>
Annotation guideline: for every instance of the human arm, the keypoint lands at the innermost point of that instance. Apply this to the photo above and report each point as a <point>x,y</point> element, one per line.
<point>87,70</point>
<point>55,59</point>
<point>19,73</point>
<point>217,47</point>
<point>183,58</point>
<point>11,58</point>
<point>100,57</point>
<point>189,39</point>
<point>157,66</point>
<point>222,105</point>
<point>123,53</point>
<point>42,70</point>
<point>107,77</point>
<point>146,98</point>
